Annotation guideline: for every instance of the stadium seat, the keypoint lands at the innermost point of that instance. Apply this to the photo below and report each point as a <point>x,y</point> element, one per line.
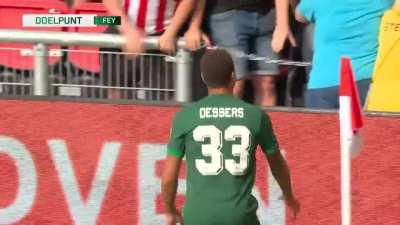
<point>11,12</point>
<point>87,61</point>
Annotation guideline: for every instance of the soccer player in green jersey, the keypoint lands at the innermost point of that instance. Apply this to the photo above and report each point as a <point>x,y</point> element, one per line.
<point>218,135</point>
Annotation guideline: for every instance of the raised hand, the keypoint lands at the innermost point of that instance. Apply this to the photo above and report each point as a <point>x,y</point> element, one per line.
<point>279,37</point>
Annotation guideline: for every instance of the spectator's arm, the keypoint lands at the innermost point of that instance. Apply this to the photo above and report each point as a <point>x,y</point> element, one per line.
<point>300,17</point>
<point>396,5</point>
<point>197,18</point>
<point>181,16</point>
<point>282,12</point>
<point>293,3</point>
<point>168,39</point>
<point>134,37</point>
<point>114,7</point>
<point>195,36</point>
<point>292,6</point>
<point>306,11</point>
<point>282,30</point>
<point>78,2</point>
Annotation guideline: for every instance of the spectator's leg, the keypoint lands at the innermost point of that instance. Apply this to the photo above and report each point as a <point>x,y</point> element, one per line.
<point>169,68</point>
<point>199,89</point>
<point>113,94</point>
<point>129,76</point>
<point>323,98</point>
<point>156,73</point>
<point>307,48</point>
<point>164,74</point>
<point>238,89</point>
<point>363,88</point>
<point>116,70</point>
<point>264,75</point>
<point>146,76</point>
<point>265,91</point>
<point>232,30</point>
<point>298,76</point>
<point>108,68</point>
<point>328,98</point>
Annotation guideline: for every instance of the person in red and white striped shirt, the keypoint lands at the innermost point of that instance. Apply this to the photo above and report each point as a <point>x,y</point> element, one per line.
<point>150,17</point>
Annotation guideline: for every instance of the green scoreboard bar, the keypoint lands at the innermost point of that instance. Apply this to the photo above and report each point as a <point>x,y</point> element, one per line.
<point>107,20</point>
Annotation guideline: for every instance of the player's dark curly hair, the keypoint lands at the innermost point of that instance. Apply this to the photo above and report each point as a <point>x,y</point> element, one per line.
<point>216,68</point>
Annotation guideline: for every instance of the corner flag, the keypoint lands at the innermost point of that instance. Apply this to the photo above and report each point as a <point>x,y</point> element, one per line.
<point>350,110</point>
<point>350,139</point>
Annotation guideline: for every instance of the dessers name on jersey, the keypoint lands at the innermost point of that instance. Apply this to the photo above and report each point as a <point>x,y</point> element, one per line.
<point>219,112</point>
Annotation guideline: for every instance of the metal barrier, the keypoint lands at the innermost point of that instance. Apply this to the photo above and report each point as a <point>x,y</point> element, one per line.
<point>115,75</point>
<point>14,81</point>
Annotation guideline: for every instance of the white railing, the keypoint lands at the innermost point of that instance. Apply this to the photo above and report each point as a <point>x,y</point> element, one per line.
<point>41,39</point>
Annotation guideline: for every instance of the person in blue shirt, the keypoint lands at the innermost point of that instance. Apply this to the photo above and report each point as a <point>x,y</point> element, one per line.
<point>342,28</point>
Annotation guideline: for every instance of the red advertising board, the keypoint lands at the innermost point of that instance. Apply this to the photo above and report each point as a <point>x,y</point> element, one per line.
<point>86,163</point>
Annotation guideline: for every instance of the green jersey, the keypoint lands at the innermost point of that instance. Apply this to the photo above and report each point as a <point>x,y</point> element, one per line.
<point>218,136</point>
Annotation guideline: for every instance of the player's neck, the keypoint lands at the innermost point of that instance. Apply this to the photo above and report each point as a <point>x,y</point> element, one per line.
<point>220,91</point>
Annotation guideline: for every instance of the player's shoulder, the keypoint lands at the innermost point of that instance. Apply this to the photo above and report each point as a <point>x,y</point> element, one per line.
<point>181,119</point>
<point>251,110</point>
<point>249,105</point>
<point>187,109</point>
<point>255,109</point>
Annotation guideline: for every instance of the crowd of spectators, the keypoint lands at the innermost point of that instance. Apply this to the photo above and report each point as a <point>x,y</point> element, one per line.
<point>266,28</point>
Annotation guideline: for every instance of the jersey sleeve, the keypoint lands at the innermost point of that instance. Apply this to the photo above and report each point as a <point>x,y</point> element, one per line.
<point>176,145</point>
<point>266,137</point>
<point>307,9</point>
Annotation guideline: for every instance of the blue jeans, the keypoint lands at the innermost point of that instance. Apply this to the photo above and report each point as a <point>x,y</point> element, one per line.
<point>242,32</point>
<point>328,98</point>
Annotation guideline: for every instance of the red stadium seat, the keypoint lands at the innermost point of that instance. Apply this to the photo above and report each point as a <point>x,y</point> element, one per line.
<point>11,12</point>
<point>87,61</point>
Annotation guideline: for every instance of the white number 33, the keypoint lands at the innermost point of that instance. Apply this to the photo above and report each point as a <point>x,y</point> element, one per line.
<point>213,149</point>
